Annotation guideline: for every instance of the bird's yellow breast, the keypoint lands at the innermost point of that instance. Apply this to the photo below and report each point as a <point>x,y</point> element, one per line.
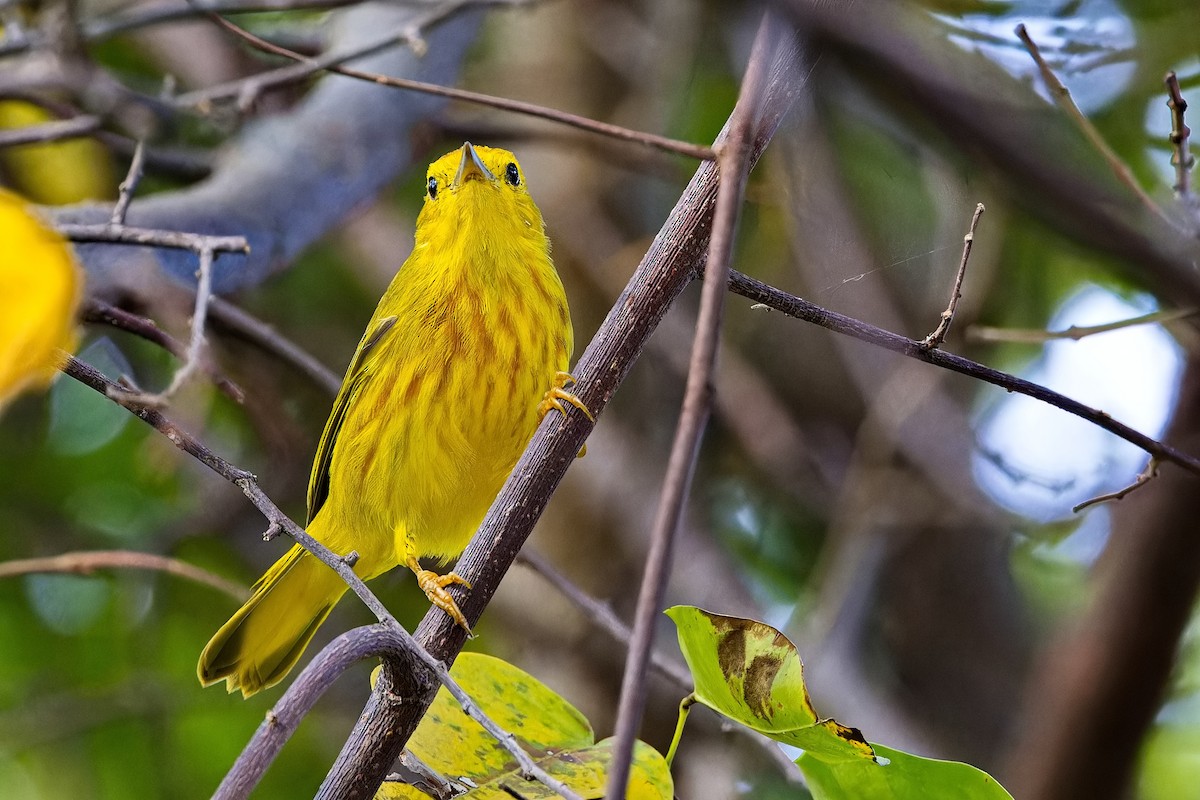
<point>450,394</point>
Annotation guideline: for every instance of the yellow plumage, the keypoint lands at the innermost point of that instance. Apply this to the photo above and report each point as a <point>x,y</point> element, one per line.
<point>437,405</point>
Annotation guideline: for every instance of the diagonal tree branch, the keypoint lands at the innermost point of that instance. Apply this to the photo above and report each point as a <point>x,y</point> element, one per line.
<point>503,103</point>
<point>839,323</point>
<point>733,164</point>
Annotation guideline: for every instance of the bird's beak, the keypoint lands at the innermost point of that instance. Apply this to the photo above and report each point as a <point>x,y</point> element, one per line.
<point>470,167</point>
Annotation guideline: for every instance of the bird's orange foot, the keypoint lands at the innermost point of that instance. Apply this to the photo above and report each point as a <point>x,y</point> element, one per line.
<point>434,587</point>
<point>554,397</point>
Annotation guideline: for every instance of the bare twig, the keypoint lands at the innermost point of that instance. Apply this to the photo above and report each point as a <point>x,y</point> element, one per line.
<point>98,311</point>
<point>1062,96</point>
<point>800,308</point>
<point>246,89</point>
<point>129,185</point>
<point>194,356</point>
<point>85,563</point>
<point>155,13</point>
<point>152,237</point>
<point>935,339</point>
<point>254,330</point>
<point>602,616</point>
<point>73,128</point>
<point>529,109</point>
<point>1179,137</point>
<point>248,483</point>
<point>1144,477</point>
<point>986,333</point>
<point>733,160</point>
<point>159,12</point>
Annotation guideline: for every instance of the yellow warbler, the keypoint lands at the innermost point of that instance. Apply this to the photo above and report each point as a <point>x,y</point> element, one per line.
<point>437,404</point>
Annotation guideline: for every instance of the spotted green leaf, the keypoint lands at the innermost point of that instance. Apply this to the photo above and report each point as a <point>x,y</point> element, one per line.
<point>554,733</point>
<point>752,674</point>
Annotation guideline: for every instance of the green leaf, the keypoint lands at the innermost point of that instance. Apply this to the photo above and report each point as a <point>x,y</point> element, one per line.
<point>554,733</point>
<point>898,776</point>
<point>751,673</point>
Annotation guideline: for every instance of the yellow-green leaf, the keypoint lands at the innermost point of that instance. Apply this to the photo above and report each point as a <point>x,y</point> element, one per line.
<point>552,731</point>
<point>751,673</point>
<point>40,286</point>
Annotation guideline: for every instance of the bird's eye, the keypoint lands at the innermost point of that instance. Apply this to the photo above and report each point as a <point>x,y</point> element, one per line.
<point>433,188</point>
<point>513,174</point>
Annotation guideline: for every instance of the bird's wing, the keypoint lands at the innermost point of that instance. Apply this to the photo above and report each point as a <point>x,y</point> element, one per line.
<point>356,375</point>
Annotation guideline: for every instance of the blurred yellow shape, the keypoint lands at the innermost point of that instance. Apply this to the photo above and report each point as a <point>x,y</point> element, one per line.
<point>40,287</point>
<point>54,173</point>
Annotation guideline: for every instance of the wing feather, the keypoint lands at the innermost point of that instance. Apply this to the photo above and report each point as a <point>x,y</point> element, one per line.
<point>356,377</point>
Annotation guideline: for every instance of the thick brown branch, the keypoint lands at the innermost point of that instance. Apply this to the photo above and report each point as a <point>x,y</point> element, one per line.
<point>285,716</point>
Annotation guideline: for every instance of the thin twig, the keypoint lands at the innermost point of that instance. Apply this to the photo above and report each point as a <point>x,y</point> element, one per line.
<point>529,109</point>
<point>1144,477</point>
<point>254,330</point>
<point>986,333</point>
<point>194,356</point>
<point>1179,137</point>
<point>152,237</point>
<point>248,483</point>
<point>244,90</point>
<point>733,161</point>
<point>97,311</point>
<point>602,616</point>
<point>1062,96</point>
<point>800,308</point>
<point>129,185</point>
<point>73,128</point>
<point>85,563</point>
<point>157,13</point>
<point>935,339</point>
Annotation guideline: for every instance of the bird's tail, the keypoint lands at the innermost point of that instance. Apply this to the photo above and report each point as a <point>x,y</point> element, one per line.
<point>261,643</point>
